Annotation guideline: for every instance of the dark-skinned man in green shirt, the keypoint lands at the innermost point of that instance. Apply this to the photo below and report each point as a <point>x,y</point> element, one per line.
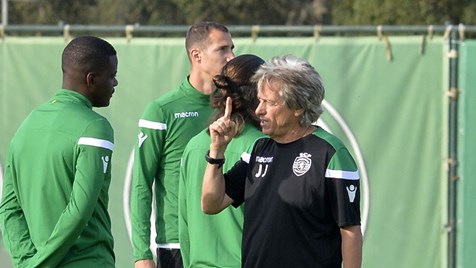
<point>58,170</point>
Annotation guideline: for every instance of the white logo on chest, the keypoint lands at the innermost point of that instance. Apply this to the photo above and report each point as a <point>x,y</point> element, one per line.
<point>261,173</point>
<point>302,164</point>
<point>263,162</point>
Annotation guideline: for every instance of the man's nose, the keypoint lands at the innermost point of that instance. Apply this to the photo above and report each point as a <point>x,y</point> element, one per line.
<point>230,56</point>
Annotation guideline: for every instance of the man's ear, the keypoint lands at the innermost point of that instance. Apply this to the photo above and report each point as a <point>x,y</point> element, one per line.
<point>90,79</point>
<point>298,112</point>
<point>195,55</point>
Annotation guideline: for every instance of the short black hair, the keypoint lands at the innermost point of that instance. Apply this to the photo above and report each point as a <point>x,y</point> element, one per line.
<point>87,53</point>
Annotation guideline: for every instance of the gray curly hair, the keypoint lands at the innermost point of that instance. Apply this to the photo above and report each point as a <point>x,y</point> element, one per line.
<point>300,85</point>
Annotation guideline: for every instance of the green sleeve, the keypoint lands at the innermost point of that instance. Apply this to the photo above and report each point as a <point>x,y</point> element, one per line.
<point>16,235</point>
<point>343,161</point>
<point>92,169</point>
<point>147,156</point>
<point>184,238</point>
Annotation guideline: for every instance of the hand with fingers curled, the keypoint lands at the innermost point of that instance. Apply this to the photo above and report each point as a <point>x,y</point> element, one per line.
<point>222,130</point>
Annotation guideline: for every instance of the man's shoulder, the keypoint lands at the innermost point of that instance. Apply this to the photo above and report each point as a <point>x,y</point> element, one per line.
<point>170,101</point>
<point>167,97</point>
<point>88,116</point>
<point>329,138</point>
<point>78,117</point>
<point>71,122</point>
<point>177,94</point>
<point>71,113</point>
<point>93,124</point>
<point>263,141</point>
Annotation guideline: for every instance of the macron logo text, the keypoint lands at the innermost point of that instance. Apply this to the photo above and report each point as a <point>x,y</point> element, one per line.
<point>186,114</point>
<point>261,159</point>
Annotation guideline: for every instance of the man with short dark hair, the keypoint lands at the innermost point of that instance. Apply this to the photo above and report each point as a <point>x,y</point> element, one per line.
<point>58,169</point>
<point>165,127</point>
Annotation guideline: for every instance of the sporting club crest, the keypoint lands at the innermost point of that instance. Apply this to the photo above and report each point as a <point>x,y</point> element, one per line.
<point>302,164</point>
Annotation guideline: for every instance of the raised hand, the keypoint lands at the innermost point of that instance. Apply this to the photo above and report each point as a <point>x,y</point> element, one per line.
<point>222,130</point>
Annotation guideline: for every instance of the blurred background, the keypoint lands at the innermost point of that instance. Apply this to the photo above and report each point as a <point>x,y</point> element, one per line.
<point>242,12</point>
<point>400,92</point>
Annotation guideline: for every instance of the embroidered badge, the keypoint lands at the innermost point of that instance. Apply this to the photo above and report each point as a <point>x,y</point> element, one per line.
<point>302,164</point>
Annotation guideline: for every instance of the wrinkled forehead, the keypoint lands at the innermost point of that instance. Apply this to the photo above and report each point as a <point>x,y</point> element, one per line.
<point>270,86</point>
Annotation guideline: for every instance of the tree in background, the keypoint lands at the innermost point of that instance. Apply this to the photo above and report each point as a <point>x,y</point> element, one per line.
<point>402,12</point>
<point>169,12</point>
<point>243,12</point>
<point>251,12</point>
<point>90,11</point>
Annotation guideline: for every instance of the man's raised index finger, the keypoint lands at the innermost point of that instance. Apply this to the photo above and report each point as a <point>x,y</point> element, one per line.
<point>228,107</point>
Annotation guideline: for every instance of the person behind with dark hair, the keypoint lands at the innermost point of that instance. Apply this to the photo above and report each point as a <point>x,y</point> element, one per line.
<point>54,210</point>
<point>300,186</point>
<point>215,240</point>
<point>165,127</point>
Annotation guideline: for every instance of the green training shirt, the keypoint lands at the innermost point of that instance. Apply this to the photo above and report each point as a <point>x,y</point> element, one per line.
<point>165,128</point>
<point>210,240</point>
<point>55,190</point>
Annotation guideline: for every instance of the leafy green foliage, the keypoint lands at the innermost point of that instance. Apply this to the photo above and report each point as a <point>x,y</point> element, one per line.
<point>243,12</point>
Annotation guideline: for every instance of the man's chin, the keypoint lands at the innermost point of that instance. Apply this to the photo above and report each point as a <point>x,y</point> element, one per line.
<point>102,105</point>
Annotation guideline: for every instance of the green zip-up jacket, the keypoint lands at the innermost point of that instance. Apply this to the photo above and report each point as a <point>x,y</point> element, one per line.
<point>208,241</point>
<point>55,191</point>
<point>165,128</point>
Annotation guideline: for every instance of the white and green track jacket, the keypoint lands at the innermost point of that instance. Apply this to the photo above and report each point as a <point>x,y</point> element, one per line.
<point>55,190</point>
<point>165,128</point>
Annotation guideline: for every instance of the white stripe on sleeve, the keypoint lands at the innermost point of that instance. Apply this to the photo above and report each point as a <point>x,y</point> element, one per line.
<point>96,142</point>
<point>341,174</point>
<point>152,124</point>
<point>246,157</point>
